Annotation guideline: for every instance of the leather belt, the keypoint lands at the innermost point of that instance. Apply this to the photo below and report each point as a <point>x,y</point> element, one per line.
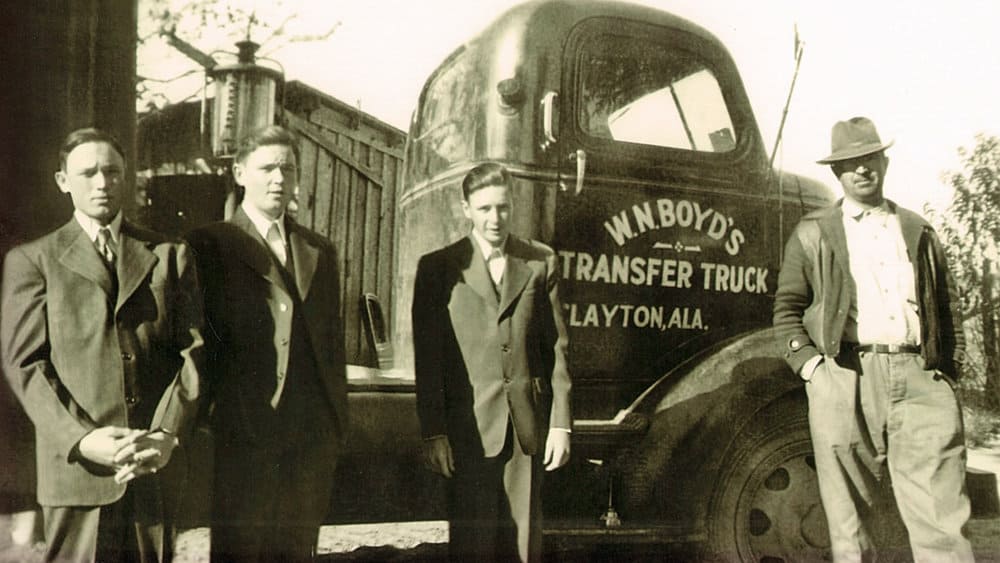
<point>888,348</point>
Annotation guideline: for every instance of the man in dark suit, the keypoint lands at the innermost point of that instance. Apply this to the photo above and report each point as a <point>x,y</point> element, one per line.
<point>493,391</point>
<point>275,362</point>
<point>101,341</point>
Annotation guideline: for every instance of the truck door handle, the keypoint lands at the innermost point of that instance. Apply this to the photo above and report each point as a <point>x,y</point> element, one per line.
<point>580,156</point>
<point>549,118</point>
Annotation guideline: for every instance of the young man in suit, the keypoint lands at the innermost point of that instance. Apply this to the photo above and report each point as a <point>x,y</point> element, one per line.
<point>101,340</point>
<point>868,316</point>
<point>493,390</point>
<point>276,370</point>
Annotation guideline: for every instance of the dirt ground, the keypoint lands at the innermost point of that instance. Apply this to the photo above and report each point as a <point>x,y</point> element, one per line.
<point>427,541</point>
<point>414,541</point>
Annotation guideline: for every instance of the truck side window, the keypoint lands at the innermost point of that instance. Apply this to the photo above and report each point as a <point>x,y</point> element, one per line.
<point>651,95</point>
<point>448,116</point>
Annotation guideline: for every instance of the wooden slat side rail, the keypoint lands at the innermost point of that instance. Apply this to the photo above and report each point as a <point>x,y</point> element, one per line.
<point>329,143</point>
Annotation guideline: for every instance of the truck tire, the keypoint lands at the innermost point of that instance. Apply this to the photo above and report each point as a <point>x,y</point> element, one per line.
<point>766,505</point>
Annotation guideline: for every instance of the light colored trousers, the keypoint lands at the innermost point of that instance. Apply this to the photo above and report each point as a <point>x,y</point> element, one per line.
<point>883,428</point>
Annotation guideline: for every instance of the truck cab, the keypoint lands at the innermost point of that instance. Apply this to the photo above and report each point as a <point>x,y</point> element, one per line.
<point>635,155</point>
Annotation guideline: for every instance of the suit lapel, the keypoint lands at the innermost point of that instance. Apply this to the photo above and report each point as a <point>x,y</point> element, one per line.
<point>515,276</point>
<point>832,226</point>
<point>254,252</point>
<point>134,263</point>
<point>80,255</point>
<point>304,257</point>
<point>474,270</point>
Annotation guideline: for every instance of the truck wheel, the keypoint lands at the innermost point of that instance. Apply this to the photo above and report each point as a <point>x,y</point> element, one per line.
<point>766,505</point>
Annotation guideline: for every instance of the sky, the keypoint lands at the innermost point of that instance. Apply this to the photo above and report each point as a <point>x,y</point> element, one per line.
<point>927,73</point>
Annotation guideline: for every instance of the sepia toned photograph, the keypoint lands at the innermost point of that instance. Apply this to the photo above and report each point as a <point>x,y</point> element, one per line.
<point>504,280</point>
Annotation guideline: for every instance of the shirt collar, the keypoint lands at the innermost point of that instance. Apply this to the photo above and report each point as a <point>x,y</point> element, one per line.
<point>90,226</point>
<point>263,223</point>
<point>486,248</point>
<point>855,211</point>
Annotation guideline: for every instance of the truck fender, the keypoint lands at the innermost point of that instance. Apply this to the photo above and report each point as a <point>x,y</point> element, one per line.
<point>695,414</point>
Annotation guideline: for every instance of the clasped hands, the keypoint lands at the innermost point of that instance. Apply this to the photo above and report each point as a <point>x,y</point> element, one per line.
<point>131,453</point>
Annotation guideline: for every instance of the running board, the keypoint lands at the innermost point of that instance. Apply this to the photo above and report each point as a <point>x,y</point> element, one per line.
<point>572,535</point>
<point>599,438</point>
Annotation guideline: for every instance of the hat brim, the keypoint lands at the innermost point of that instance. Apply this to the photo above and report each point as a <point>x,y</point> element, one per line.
<point>855,152</point>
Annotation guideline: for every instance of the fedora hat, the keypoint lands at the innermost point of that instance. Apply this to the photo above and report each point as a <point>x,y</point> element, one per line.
<point>853,138</point>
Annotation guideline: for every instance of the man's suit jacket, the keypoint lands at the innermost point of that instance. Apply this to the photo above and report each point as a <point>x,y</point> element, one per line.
<point>483,355</point>
<point>249,318</point>
<point>71,342</point>
<point>815,291</point>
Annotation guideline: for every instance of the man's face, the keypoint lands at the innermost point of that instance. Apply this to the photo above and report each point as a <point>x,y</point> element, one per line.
<point>94,178</point>
<point>489,210</point>
<point>269,175</point>
<point>862,177</point>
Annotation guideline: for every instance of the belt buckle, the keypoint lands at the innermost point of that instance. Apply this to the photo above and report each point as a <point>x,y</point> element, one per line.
<point>894,348</point>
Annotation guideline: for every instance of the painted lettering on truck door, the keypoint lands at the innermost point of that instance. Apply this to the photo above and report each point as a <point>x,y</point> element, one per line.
<point>666,243</point>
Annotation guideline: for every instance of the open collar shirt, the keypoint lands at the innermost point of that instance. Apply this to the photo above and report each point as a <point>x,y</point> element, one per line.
<point>884,310</point>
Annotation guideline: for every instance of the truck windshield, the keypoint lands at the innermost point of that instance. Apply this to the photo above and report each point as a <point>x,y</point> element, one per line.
<point>636,92</point>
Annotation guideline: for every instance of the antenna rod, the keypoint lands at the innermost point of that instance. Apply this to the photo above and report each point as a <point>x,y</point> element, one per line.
<point>774,151</point>
<point>788,102</point>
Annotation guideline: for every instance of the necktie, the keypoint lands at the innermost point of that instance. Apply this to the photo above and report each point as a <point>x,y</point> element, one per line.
<point>496,265</point>
<point>105,246</point>
<point>277,244</point>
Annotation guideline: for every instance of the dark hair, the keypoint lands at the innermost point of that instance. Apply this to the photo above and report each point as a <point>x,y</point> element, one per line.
<point>484,176</point>
<point>270,135</point>
<point>83,136</point>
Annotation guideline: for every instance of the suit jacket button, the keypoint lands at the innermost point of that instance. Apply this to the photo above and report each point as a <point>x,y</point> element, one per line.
<point>126,356</point>
<point>131,399</point>
<point>283,307</point>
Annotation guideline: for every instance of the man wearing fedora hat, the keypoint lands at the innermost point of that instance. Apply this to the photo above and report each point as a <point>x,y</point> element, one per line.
<point>867,314</point>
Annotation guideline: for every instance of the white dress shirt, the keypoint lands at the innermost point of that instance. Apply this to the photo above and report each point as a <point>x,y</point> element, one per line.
<point>263,225</point>
<point>495,256</point>
<point>884,309</point>
<point>90,226</point>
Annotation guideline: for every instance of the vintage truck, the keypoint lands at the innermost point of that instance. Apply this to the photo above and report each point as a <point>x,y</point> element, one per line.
<point>636,155</point>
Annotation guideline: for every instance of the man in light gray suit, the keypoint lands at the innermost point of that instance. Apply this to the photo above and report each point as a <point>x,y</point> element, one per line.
<point>493,390</point>
<point>101,341</point>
